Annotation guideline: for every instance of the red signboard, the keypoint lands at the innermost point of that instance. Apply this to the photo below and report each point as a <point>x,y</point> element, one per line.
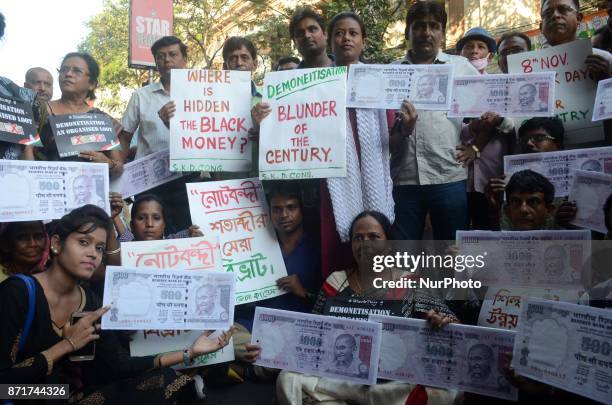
<point>149,21</point>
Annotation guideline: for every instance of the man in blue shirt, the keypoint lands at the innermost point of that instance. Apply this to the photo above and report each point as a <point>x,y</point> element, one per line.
<point>300,253</point>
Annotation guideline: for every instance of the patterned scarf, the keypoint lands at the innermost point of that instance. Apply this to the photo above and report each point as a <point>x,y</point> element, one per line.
<point>368,187</point>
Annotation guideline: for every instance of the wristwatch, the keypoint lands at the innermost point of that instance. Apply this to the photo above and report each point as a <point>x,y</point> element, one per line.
<point>476,150</point>
<point>188,361</point>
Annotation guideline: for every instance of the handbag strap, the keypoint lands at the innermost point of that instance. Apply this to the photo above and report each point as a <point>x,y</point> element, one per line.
<point>31,286</point>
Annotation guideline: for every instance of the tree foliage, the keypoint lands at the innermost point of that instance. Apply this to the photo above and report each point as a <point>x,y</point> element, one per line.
<point>107,42</point>
<point>378,16</point>
<point>109,47</point>
<point>194,22</point>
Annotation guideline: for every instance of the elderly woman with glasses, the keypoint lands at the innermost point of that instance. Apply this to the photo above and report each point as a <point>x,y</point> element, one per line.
<point>78,78</point>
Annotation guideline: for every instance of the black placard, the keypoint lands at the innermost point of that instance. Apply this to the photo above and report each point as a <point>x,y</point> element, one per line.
<point>17,122</point>
<point>84,132</point>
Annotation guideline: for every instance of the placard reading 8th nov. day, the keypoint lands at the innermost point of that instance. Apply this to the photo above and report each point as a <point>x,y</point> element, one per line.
<point>305,134</point>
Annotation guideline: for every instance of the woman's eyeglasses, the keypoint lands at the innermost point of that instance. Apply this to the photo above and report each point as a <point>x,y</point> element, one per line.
<point>75,70</point>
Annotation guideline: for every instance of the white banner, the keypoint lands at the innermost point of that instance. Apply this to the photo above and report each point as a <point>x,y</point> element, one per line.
<point>209,130</point>
<point>305,134</point>
<point>575,91</point>
<point>237,211</point>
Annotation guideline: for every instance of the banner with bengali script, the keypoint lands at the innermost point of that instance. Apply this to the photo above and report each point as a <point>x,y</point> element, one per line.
<point>237,211</point>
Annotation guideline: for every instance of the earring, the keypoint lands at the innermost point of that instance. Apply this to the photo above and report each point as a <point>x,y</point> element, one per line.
<point>54,251</point>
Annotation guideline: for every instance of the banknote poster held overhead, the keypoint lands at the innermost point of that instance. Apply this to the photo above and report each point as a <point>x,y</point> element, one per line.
<point>428,87</point>
<point>209,131</point>
<point>508,95</point>
<point>149,21</point>
<point>305,134</point>
<point>575,90</point>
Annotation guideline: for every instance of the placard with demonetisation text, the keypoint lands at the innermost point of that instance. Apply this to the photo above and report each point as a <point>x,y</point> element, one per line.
<point>305,134</point>
<point>83,132</point>
<point>17,122</point>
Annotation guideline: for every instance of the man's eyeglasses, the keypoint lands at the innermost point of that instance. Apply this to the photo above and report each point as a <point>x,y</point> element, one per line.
<point>75,70</point>
<point>538,138</point>
<point>562,9</point>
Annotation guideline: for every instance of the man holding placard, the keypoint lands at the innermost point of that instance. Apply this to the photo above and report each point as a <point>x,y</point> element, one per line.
<point>149,111</point>
<point>578,66</point>
<point>12,150</point>
<point>239,54</point>
<point>427,176</point>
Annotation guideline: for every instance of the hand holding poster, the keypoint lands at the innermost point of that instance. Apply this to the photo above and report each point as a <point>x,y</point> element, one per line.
<point>186,254</point>
<point>17,122</point>
<point>49,190</point>
<point>236,210</point>
<point>151,342</point>
<point>590,191</point>
<point>559,167</point>
<point>575,90</point>
<point>144,174</point>
<point>305,134</point>
<point>83,132</point>
<point>602,110</point>
<point>428,87</point>
<point>170,299</point>
<point>209,131</point>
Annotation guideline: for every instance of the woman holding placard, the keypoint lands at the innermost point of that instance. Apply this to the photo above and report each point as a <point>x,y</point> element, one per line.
<point>149,221</point>
<point>43,342</point>
<point>78,78</point>
<point>371,234</point>
<point>368,185</point>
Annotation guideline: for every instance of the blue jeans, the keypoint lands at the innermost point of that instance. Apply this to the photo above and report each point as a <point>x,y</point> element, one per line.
<point>446,204</point>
